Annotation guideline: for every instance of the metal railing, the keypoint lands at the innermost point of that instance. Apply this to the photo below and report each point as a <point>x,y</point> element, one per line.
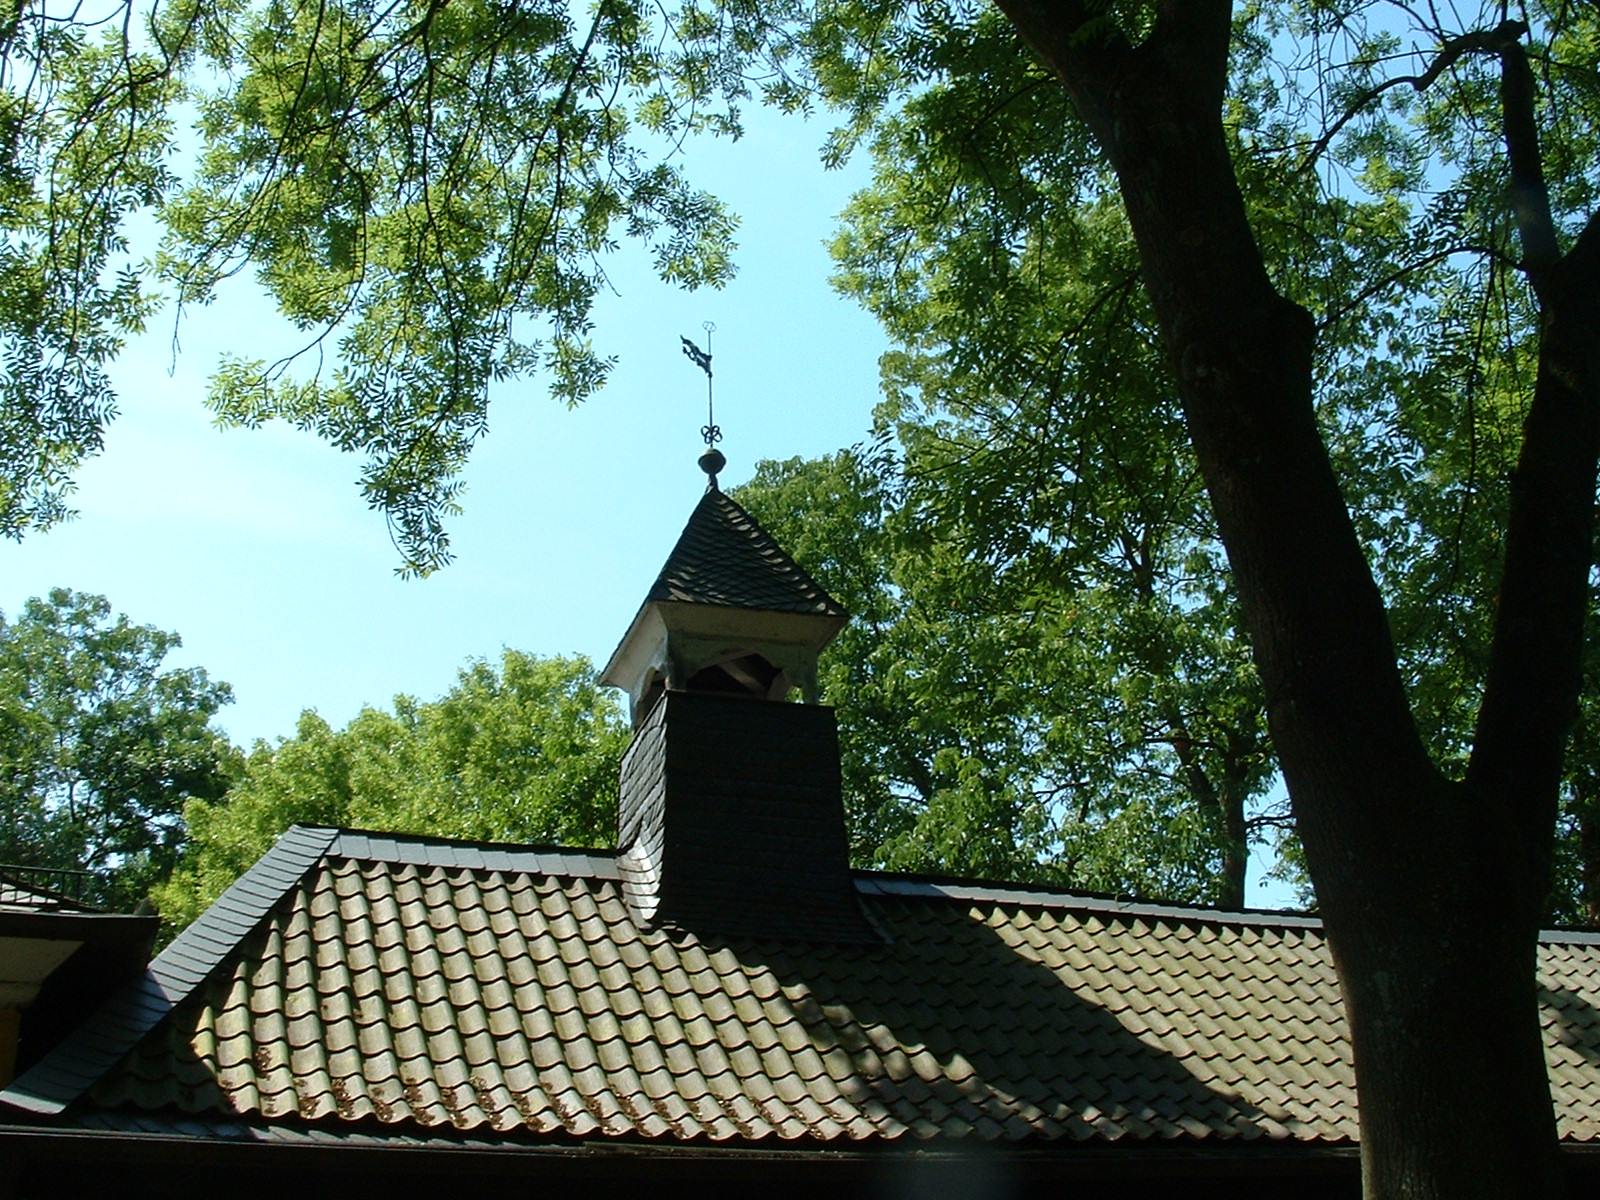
<point>47,887</point>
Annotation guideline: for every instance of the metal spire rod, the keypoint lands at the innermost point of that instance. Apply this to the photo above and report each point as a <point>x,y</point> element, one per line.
<point>702,359</point>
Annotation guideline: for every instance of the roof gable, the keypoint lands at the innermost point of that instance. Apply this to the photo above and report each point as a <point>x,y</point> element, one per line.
<point>723,557</point>
<point>192,956</point>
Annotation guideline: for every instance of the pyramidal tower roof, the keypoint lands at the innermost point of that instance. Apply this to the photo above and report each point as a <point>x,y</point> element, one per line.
<point>729,600</point>
<point>725,558</point>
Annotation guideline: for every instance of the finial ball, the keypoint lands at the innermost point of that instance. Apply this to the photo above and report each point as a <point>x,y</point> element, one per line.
<point>711,461</point>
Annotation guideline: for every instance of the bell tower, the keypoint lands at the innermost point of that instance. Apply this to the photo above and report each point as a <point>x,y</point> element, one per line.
<point>731,819</point>
<point>730,613</point>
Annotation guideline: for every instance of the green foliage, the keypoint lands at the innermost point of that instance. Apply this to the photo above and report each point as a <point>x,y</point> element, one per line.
<point>100,749</point>
<point>419,180</point>
<point>995,722</point>
<point>526,752</point>
<point>420,184</point>
<point>1028,386</point>
<point>1044,443</point>
<point>1048,481</point>
<point>84,142</point>
<point>429,190</point>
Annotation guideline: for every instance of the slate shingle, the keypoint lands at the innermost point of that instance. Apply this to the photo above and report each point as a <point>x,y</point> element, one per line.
<point>724,558</point>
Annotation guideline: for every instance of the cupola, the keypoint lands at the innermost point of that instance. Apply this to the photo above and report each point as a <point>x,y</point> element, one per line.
<point>731,818</point>
<point>731,614</point>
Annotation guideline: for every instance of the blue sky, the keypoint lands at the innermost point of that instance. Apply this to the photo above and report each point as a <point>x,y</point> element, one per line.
<point>256,547</point>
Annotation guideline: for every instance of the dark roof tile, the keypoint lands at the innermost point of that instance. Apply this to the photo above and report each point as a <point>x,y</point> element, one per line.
<point>724,558</point>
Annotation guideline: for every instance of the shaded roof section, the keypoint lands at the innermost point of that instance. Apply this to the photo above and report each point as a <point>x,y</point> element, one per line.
<point>417,986</point>
<point>724,558</point>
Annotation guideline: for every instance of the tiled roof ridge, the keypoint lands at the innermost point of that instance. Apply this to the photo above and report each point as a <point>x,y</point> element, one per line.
<point>579,862</point>
<point>72,1067</point>
<point>724,557</point>
<point>463,854</point>
<point>1563,935</point>
<point>591,863</point>
<point>874,883</point>
<point>884,883</point>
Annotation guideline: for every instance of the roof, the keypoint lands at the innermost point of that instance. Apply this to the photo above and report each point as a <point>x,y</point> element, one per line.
<point>406,986</point>
<point>173,976</point>
<point>723,557</point>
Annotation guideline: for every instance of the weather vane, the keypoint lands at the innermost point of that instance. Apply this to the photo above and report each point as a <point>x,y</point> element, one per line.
<point>711,461</point>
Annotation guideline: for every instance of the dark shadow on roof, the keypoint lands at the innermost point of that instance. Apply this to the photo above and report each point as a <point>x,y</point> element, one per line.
<point>958,1032</point>
<point>1576,1022</point>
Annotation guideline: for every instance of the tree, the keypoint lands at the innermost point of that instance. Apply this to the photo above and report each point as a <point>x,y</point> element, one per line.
<point>416,184</point>
<point>100,748</point>
<point>996,719</point>
<point>1431,886</point>
<point>1306,215</point>
<point>526,752</point>
<point>1370,302</point>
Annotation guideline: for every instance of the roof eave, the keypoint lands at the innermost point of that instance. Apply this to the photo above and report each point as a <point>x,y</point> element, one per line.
<point>639,642</point>
<point>696,619</point>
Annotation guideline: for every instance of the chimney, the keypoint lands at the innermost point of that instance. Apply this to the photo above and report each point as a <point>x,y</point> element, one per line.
<point>731,819</point>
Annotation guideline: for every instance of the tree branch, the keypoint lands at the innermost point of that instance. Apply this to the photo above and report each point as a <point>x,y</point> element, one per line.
<point>1530,197</point>
<point>1535,663</point>
<point>1081,45</point>
<point>1492,41</point>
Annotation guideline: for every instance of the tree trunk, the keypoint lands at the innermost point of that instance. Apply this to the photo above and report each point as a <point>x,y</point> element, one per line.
<point>1223,806</point>
<point>1450,1062</point>
<point>1431,890</point>
<point>1589,863</point>
<point>1235,847</point>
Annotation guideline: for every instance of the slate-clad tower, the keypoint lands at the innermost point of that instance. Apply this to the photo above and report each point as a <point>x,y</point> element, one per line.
<point>731,819</point>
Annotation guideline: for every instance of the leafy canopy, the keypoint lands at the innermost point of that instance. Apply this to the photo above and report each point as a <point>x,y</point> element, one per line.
<point>422,186</point>
<point>1028,387</point>
<point>994,722</point>
<point>100,748</point>
<point>526,751</point>
<point>428,191</point>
